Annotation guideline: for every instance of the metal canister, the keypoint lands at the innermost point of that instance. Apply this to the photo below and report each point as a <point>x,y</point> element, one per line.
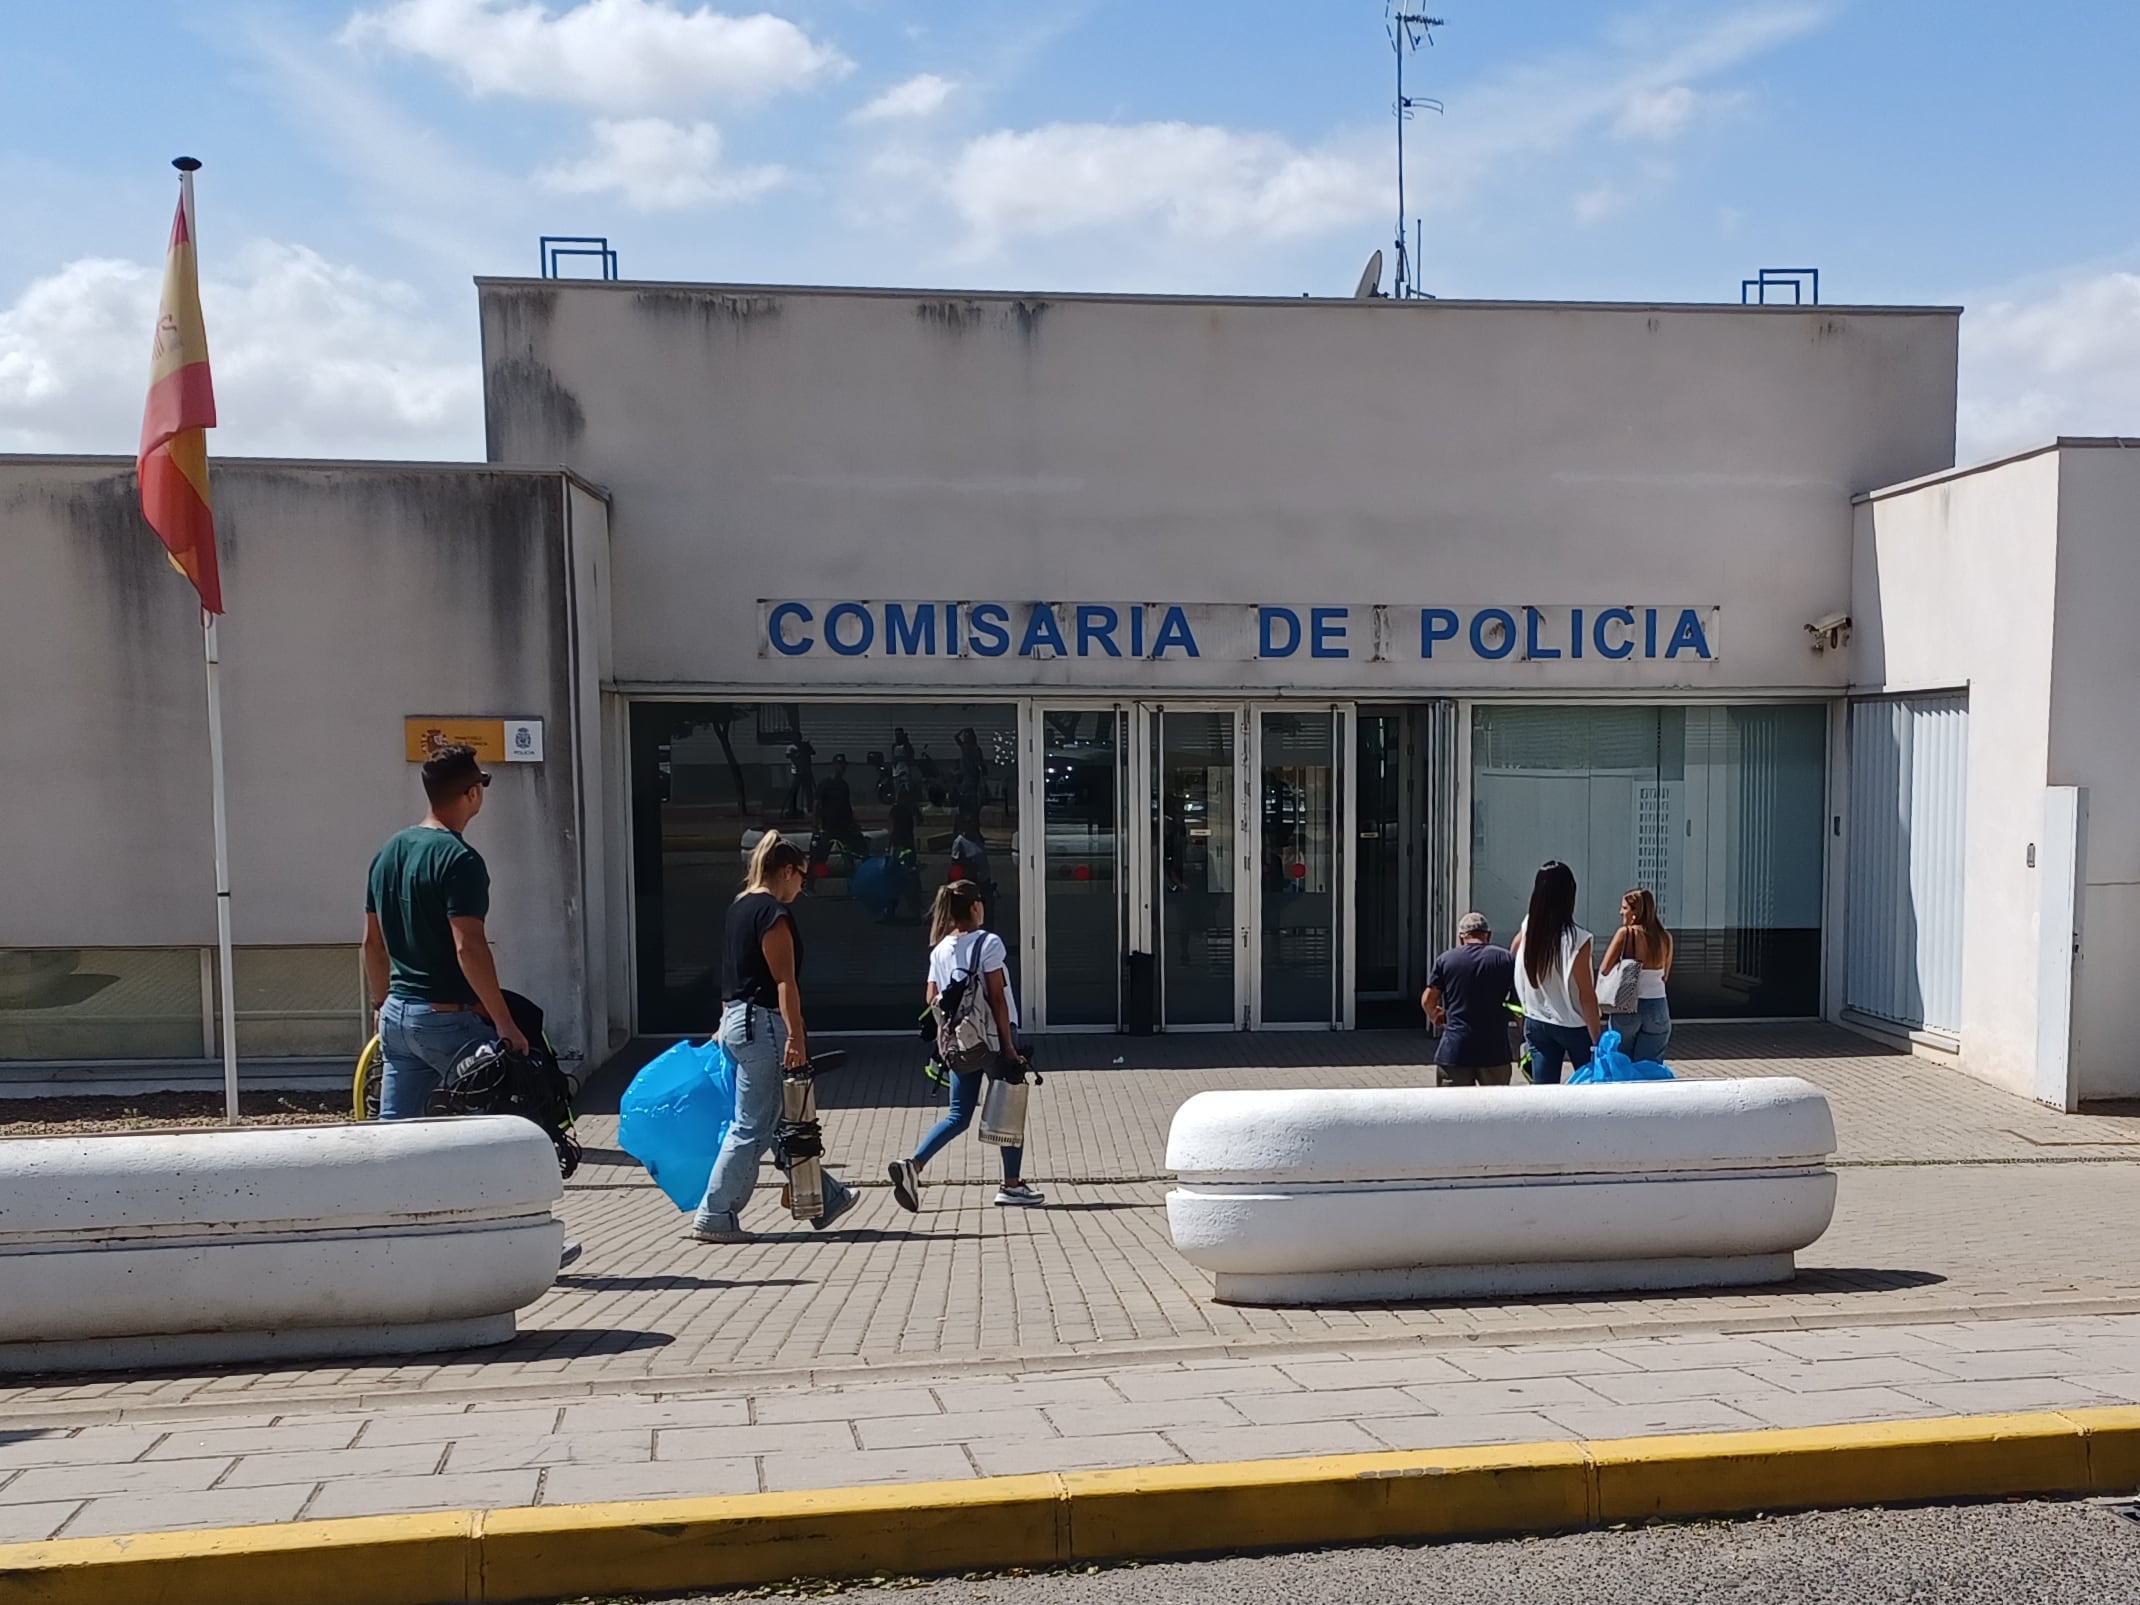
<point>798,1106</point>
<point>1003,1112</point>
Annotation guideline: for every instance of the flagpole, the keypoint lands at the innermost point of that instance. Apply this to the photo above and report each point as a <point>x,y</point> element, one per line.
<point>211,650</point>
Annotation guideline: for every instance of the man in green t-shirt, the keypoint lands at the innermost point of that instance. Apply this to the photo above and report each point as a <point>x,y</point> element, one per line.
<point>427,960</point>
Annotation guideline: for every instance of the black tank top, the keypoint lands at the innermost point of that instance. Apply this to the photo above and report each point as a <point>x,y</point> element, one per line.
<point>745,977</point>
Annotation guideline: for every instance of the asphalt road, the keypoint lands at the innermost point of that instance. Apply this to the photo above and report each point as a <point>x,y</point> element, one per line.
<point>2049,1553</point>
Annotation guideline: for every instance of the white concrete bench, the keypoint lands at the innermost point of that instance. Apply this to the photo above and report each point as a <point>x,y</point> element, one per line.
<point>130,1249</point>
<point>1350,1196</point>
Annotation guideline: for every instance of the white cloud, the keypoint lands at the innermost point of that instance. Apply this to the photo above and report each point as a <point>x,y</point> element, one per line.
<point>1643,82</point>
<point>659,166</point>
<point>1197,181</point>
<point>917,98</point>
<point>2063,363</point>
<point>1599,202</point>
<point>611,55</point>
<point>310,358</point>
<point>1662,115</point>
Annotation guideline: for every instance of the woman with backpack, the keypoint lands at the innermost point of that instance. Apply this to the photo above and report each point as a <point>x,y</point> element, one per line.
<point>1554,981</point>
<point>965,955</point>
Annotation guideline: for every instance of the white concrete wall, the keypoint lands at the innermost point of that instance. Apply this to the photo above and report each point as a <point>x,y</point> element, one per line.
<point>1956,586</point>
<point>898,445</point>
<point>357,595</point>
<point>2095,745</point>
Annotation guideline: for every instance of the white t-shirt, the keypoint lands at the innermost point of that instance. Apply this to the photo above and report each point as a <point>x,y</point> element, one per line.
<point>985,952</point>
<point>1553,999</point>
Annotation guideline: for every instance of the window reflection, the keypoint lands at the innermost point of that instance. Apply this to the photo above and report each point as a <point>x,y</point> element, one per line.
<point>892,799</point>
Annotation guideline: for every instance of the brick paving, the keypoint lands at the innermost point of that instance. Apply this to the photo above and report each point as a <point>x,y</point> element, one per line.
<point>1979,1261</point>
<point>1955,1200</point>
<point>154,1470</point>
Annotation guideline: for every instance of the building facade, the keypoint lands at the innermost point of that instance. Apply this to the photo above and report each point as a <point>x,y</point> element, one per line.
<point>1236,646</point>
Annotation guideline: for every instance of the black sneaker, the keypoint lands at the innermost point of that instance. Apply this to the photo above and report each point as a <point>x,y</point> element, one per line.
<point>1020,1194</point>
<point>906,1183</point>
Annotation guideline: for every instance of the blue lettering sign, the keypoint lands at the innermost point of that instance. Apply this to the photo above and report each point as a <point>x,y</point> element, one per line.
<point>1606,648</point>
<point>863,641</point>
<point>951,629</point>
<point>1575,632</point>
<point>1043,629</point>
<point>778,636</point>
<point>1491,616</point>
<point>1327,626</point>
<point>1688,636</point>
<point>988,630</point>
<point>1136,631</point>
<point>1436,624</point>
<point>1174,632</point>
<point>1097,624</point>
<point>1649,632</point>
<point>1532,647</point>
<point>1266,646</point>
<point>916,637</point>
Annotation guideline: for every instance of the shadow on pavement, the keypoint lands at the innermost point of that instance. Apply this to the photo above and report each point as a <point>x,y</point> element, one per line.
<point>674,1284</point>
<point>1822,1281</point>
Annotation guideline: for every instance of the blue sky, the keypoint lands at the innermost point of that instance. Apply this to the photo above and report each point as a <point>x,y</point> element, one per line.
<point>366,160</point>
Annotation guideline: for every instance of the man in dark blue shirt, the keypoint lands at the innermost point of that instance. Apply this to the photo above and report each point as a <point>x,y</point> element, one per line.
<point>1465,999</point>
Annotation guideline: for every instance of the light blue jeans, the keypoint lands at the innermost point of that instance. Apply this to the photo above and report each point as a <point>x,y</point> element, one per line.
<point>419,1044</point>
<point>966,1088</point>
<point>1645,1033</point>
<point>756,1038</point>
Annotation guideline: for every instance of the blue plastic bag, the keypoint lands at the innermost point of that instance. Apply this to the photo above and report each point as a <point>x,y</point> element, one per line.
<point>1609,1063</point>
<point>675,1114</point>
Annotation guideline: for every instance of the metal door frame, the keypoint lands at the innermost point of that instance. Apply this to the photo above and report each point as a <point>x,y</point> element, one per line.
<point>1344,823</point>
<point>1033,858</point>
<point>1149,734</point>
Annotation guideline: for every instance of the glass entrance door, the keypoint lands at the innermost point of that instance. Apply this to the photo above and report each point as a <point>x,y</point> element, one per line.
<point>1082,866</point>
<point>1196,862</point>
<point>1302,870</point>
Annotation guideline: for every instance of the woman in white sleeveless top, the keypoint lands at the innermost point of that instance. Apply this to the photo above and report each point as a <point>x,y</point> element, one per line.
<point>1643,1034</point>
<point>1554,980</point>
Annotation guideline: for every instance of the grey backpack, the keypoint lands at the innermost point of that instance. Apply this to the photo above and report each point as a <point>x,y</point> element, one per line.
<point>961,1021</point>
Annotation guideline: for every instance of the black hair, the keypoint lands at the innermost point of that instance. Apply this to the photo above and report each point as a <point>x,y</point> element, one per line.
<point>449,772</point>
<point>1551,918</point>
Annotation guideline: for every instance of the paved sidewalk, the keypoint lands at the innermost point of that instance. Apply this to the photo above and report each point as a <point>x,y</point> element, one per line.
<point>163,1467</point>
<point>1957,1201</point>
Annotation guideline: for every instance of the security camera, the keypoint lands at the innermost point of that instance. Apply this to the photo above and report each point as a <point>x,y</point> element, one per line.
<point>1829,630</point>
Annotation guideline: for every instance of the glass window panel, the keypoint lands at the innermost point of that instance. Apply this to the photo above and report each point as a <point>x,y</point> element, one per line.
<point>1083,876</point>
<point>1196,853</point>
<point>891,798</point>
<point>100,1003</point>
<point>1718,810</point>
<point>1299,868</point>
<point>299,1002</point>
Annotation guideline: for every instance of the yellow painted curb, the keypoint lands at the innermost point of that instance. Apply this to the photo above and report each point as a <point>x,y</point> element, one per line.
<point>547,1553</point>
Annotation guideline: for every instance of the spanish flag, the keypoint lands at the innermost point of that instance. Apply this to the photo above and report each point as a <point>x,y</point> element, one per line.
<point>174,449</point>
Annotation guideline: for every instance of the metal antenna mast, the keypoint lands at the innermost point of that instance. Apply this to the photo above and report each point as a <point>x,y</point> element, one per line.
<point>1408,30</point>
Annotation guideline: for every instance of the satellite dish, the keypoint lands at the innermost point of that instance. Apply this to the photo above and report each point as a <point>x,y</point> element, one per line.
<point>1370,280</point>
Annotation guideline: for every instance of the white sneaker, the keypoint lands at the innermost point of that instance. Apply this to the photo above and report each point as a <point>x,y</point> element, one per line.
<point>1020,1194</point>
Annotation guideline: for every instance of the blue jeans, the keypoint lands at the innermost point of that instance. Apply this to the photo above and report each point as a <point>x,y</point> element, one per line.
<point>966,1086</point>
<point>1645,1033</point>
<point>755,1037</point>
<point>419,1044</point>
<point>1551,1045</point>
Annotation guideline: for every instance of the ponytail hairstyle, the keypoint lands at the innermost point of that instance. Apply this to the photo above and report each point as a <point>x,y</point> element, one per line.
<point>773,854</point>
<point>955,904</point>
<point>1551,918</point>
<point>1656,940</point>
